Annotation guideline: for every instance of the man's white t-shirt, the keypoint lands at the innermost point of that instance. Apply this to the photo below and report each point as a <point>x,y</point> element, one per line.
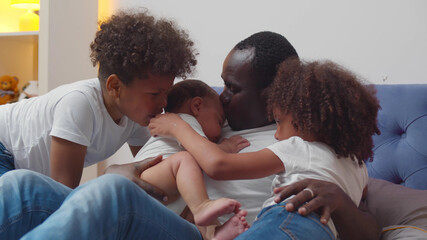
<point>74,112</point>
<point>250,193</point>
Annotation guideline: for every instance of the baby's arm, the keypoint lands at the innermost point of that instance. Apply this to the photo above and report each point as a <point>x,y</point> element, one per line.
<point>233,144</point>
<point>215,162</point>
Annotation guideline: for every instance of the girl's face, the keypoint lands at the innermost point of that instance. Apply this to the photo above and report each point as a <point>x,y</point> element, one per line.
<point>285,128</point>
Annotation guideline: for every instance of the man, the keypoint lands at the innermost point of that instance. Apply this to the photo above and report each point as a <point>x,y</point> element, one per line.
<point>113,207</point>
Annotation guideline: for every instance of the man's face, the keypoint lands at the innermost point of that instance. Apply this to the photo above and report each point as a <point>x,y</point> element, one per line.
<point>144,98</point>
<point>243,104</point>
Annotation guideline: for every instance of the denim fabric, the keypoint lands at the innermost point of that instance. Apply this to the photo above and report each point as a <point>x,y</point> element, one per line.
<point>274,222</point>
<point>108,207</point>
<point>6,160</point>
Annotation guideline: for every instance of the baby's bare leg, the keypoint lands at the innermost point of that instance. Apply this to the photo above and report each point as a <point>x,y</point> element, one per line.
<point>162,177</point>
<point>181,171</point>
<point>232,228</point>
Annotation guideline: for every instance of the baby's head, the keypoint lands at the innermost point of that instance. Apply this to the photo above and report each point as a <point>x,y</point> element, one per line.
<point>198,99</point>
<point>322,101</point>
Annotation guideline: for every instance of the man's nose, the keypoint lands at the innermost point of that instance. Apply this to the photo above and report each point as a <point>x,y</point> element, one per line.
<point>225,98</point>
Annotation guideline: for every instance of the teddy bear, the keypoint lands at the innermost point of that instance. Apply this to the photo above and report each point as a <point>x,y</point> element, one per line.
<point>8,89</point>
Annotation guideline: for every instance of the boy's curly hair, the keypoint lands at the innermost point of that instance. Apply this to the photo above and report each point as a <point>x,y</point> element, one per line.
<point>132,43</point>
<point>185,90</point>
<point>329,103</point>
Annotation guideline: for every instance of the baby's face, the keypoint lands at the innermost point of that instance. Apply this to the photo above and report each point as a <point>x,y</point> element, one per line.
<point>211,117</point>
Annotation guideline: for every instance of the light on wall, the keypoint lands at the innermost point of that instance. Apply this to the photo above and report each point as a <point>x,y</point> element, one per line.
<point>28,21</point>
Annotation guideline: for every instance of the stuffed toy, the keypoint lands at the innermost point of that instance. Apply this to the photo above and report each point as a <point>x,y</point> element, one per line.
<point>8,89</point>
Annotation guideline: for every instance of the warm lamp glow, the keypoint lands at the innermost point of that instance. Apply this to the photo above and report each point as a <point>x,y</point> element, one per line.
<point>26,4</point>
<point>28,21</point>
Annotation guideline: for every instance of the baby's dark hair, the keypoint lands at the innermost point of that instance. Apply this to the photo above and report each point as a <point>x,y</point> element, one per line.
<point>132,43</point>
<point>271,49</point>
<point>329,103</point>
<point>185,90</point>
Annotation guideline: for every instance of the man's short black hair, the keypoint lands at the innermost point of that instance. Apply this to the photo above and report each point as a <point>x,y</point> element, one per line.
<point>270,50</point>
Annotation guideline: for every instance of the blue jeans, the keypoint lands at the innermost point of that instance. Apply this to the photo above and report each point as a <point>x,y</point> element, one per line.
<point>6,160</point>
<point>274,222</point>
<point>108,207</point>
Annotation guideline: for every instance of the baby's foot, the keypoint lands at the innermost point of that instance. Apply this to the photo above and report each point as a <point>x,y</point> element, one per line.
<point>232,228</point>
<point>210,210</point>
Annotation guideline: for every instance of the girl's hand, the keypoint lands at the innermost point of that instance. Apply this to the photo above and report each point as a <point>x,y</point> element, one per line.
<point>164,124</point>
<point>233,144</point>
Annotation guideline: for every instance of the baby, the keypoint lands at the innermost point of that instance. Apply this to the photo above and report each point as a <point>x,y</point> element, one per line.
<point>179,174</point>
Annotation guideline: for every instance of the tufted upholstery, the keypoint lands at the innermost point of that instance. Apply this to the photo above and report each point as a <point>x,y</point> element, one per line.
<point>400,152</point>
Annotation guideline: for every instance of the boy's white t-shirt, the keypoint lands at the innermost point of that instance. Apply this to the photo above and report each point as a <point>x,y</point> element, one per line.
<point>74,112</point>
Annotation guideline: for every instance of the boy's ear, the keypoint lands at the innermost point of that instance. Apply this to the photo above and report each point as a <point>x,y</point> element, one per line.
<point>113,86</point>
<point>195,105</point>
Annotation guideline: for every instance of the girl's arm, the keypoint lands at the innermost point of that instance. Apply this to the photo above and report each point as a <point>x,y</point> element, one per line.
<point>215,162</point>
<point>66,161</point>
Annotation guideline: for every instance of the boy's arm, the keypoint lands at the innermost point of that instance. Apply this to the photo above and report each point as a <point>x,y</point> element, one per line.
<point>66,161</point>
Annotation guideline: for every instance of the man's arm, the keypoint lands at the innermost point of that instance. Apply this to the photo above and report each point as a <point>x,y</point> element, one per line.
<point>330,201</point>
<point>133,171</point>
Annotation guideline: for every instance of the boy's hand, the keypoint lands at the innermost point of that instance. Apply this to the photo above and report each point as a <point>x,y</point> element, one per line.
<point>133,171</point>
<point>233,144</point>
<point>164,124</point>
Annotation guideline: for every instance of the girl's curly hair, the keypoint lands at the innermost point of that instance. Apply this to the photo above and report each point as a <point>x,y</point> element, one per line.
<point>329,103</point>
<point>132,43</point>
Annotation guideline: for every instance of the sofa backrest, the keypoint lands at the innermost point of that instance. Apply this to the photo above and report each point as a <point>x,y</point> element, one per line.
<point>400,151</point>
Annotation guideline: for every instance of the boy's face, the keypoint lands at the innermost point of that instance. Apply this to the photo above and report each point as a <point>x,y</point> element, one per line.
<point>211,117</point>
<point>144,98</point>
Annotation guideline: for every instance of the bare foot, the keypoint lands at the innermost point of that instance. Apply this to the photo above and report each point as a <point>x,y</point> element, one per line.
<point>210,210</point>
<point>233,227</point>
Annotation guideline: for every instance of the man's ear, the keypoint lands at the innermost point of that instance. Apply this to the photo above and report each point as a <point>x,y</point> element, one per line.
<point>113,85</point>
<point>195,105</point>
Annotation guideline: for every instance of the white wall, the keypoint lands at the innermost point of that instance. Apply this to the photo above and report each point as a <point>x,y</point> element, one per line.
<point>377,39</point>
<point>384,41</point>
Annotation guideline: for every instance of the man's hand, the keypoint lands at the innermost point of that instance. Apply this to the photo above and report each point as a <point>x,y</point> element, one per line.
<point>233,144</point>
<point>133,171</point>
<point>328,200</point>
<point>313,195</point>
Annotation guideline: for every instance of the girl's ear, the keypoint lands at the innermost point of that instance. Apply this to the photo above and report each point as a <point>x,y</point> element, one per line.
<point>195,105</point>
<point>113,86</point>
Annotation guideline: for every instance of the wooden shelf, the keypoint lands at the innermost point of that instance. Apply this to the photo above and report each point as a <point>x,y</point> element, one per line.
<point>17,34</point>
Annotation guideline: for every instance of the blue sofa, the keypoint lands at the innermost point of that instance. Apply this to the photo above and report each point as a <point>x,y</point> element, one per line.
<point>400,152</point>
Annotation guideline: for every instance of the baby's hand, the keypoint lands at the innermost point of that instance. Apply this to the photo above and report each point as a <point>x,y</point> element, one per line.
<point>233,144</point>
<point>164,124</point>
